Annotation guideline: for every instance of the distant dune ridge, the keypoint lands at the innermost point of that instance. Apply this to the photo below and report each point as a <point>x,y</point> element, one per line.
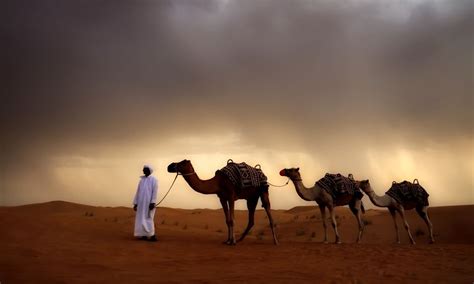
<point>62,242</point>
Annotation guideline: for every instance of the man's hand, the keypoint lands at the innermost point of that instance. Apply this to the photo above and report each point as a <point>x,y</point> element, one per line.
<point>152,206</point>
<point>134,207</point>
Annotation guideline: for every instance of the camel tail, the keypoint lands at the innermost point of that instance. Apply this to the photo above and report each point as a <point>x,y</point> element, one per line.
<point>362,208</point>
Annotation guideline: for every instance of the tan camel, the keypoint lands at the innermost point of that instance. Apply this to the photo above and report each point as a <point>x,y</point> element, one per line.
<point>228,194</point>
<point>324,199</point>
<point>394,206</point>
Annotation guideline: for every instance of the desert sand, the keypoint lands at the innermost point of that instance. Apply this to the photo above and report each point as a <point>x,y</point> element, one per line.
<point>61,242</point>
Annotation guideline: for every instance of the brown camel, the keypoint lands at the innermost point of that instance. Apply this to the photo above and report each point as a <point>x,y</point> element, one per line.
<point>228,193</point>
<point>395,206</point>
<point>324,199</point>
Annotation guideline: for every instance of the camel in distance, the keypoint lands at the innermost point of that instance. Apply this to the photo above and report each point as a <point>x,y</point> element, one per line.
<point>400,197</point>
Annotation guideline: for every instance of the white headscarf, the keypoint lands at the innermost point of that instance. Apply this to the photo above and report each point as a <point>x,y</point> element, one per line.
<point>149,167</point>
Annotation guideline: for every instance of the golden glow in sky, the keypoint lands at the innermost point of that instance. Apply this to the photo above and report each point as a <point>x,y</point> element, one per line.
<point>94,90</point>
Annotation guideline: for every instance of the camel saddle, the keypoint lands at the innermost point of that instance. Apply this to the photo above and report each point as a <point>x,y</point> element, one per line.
<point>406,191</point>
<point>243,176</point>
<point>337,184</point>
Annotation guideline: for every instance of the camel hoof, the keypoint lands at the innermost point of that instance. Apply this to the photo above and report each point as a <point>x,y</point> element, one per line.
<point>230,242</point>
<point>325,242</point>
<point>338,242</point>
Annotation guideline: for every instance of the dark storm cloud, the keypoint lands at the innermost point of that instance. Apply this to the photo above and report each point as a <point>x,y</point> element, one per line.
<point>80,76</point>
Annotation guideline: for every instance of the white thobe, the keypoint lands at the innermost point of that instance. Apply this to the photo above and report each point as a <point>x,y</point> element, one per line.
<point>146,194</point>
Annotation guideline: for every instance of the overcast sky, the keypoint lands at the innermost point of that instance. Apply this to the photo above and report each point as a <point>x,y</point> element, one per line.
<point>92,90</point>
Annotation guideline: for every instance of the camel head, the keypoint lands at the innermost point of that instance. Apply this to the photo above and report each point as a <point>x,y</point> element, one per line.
<point>364,185</point>
<point>293,173</point>
<point>183,167</point>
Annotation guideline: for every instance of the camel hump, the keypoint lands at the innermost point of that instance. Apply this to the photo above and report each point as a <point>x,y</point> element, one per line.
<point>243,176</point>
<point>337,185</point>
<point>409,192</point>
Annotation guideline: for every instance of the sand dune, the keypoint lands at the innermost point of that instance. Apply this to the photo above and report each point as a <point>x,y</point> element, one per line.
<point>61,242</point>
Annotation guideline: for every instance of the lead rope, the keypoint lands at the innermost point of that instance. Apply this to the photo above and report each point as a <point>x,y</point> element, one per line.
<point>171,186</point>
<point>286,183</point>
<point>177,174</point>
<point>258,167</point>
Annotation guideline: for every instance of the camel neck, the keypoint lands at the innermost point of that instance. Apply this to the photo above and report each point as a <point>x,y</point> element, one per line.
<point>202,186</point>
<point>305,193</point>
<point>379,201</point>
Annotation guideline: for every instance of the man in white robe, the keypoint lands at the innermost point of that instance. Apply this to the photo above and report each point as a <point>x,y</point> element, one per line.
<point>144,204</point>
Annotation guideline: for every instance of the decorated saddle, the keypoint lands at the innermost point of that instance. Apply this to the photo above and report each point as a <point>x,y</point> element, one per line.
<point>406,191</point>
<point>243,176</point>
<point>337,184</point>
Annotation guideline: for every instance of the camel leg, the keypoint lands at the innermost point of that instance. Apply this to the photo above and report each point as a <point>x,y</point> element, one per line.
<point>401,211</point>
<point>251,205</point>
<point>225,207</point>
<point>322,208</point>
<point>334,223</point>
<point>394,217</point>
<point>266,204</point>
<point>423,212</point>
<point>355,208</point>
<point>231,222</point>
